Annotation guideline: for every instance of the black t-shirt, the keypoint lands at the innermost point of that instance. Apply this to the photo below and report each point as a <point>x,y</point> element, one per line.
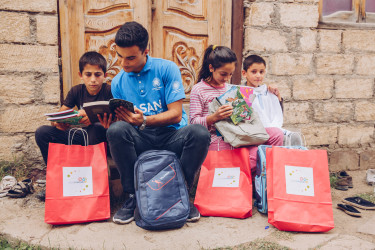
<point>78,95</point>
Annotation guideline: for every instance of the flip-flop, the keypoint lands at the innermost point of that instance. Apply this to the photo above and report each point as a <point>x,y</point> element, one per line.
<point>6,184</point>
<point>359,202</point>
<point>349,210</point>
<point>21,189</point>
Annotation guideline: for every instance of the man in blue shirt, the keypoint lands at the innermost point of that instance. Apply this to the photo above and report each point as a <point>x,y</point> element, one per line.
<point>155,87</point>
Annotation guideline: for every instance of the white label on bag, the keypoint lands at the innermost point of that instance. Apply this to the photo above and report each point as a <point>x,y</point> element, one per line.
<point>299,180</point>
<point>226,177</point>
<point>77,181</point>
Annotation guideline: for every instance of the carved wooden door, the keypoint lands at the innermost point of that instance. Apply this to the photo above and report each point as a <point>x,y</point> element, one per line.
<point>179,30</point>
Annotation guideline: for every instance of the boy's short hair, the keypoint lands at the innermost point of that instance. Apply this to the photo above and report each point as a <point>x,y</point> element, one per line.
<point>130,34</point>
<point>250,60</point>
<point>93,58</point>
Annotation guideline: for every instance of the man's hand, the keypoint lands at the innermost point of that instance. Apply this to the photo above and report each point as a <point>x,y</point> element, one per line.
<point>106,121</point>
<point>135,119</point>
<point>85,119</point>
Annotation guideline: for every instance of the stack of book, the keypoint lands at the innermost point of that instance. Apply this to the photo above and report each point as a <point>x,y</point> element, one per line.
<point>67,116</point>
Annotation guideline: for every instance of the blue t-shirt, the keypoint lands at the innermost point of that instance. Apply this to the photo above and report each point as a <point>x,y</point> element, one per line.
<point>158,84</point>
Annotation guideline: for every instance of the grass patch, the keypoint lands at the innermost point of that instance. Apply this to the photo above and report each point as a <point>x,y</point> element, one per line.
<point>16,168</point>
<point>370,196</point>
<point>257,244</point>
<point>5,245</point>
<point>333,180</point>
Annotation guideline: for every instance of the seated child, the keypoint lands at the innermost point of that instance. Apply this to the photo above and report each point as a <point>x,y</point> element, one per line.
<point>217,68</point>
<point>92,67</point>
<point>266,103</point>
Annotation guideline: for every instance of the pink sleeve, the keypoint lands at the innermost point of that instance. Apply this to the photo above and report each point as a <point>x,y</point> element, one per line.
<point>196,115</point>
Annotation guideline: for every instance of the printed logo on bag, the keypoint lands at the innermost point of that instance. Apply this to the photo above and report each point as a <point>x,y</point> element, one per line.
<point>226,177</point>
<point>162,178</point>
<point>299,180</point>
<point>77,181</point>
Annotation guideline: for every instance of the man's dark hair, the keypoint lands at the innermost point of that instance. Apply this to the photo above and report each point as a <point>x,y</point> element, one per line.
<point>130,34</point>
<point>93,58</point>
<point>250,60</point>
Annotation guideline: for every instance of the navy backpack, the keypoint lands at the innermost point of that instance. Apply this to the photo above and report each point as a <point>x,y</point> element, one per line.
<point>161,194</point>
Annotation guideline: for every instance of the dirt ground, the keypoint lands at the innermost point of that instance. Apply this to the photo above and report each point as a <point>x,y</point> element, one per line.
<point>23,220</point>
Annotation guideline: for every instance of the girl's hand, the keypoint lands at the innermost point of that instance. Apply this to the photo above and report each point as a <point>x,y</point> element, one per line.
<point>223,112</point>
<point>106,121</point>
<point>275,91</point>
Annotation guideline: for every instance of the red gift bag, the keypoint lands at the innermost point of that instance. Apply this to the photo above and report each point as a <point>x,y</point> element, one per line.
<point>298,190</point>
<point>224,187</point>
<point>77,184</point>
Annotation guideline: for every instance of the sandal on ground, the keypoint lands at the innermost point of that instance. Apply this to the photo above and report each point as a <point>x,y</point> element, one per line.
<point>6,184</point>
<point>359,202</point>
<point>21,189</point>
<point>349,210</point>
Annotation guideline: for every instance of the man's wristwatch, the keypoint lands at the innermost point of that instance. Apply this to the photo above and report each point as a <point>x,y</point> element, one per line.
<point>143,125</point>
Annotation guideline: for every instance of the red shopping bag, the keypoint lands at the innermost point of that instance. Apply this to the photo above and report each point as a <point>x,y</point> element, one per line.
<point>298,190</point>
<point>77,184</point>
<point>224,187</point>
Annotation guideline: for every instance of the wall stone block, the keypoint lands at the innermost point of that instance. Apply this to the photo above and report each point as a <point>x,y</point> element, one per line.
<point>355,134</point>
<point>47,30</point>
<point>330,40</point>
<point>302,89</point>
<point>296,113</point>
<point>366,65</point>
<point>17,89</point>
<point>299,15</point>
<point>29,57</point>
<point>359,40</point>
<point>365,111</point>
<point>367,160</point>
<point>286,64</point>
<point>354,88</point>
<point>51,89</point>
<point>14,27</point>
<point>308,40</point>
<point>320,134</point>
<point>33,6</point>
<point>8,148</point>
<point>260,14</point>
<point>344,160</point>
<point>335,64</point>
<point>282,85</point>
<point>333,112</point>
<point>266,40</point>
<point>24,118</point>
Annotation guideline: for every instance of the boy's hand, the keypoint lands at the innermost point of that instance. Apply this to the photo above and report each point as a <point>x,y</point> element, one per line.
<point>135,119</point>
<point>275,91</point>
<point>85,119</point>
<point>106,121</point>
<point>61,126</point>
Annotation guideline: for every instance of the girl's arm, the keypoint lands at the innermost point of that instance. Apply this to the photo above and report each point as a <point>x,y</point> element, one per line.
<point>196,115</point>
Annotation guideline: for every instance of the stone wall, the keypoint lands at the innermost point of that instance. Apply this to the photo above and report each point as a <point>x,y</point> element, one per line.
<point>326,76</point>
<point>29,75</point>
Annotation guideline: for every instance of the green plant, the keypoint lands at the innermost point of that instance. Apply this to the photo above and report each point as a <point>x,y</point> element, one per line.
<point>333,180</point>
<point>368,196</point>
<point>5,245</point>
<point>16,168</point>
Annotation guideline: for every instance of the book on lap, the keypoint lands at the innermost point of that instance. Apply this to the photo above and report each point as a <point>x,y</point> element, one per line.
<point>66,116</point>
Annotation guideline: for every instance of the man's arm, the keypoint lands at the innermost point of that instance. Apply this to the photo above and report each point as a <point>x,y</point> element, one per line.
<point>172,116</point>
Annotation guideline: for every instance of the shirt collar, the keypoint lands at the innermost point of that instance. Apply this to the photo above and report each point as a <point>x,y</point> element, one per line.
<point>146,68</point>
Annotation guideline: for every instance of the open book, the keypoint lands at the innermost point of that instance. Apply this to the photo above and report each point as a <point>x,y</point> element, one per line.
<point>100,107</point>
<point>241,109</point>
<point>67,116</point>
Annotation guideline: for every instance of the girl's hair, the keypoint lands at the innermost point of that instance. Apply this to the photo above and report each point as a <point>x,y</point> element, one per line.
<point>217,56</point>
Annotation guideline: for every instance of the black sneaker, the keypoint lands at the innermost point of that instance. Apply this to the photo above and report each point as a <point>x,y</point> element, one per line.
<point>126,213</point>
<point>41,195</point>
<point>194,214</point>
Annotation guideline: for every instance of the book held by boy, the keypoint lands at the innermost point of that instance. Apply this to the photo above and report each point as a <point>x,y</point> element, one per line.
<point>66,116</point>
<point>100,107</point>
<point>241,109</point>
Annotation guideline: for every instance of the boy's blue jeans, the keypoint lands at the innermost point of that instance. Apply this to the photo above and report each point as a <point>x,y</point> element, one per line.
<point>190,143</point>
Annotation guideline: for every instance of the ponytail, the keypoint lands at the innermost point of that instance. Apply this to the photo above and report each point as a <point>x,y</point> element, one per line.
<point>217,56</point>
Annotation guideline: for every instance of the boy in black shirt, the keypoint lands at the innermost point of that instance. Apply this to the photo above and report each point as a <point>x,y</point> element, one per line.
<point>92,67</point>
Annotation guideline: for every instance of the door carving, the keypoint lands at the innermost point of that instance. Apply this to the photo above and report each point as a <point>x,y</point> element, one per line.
<point>179,31</point>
